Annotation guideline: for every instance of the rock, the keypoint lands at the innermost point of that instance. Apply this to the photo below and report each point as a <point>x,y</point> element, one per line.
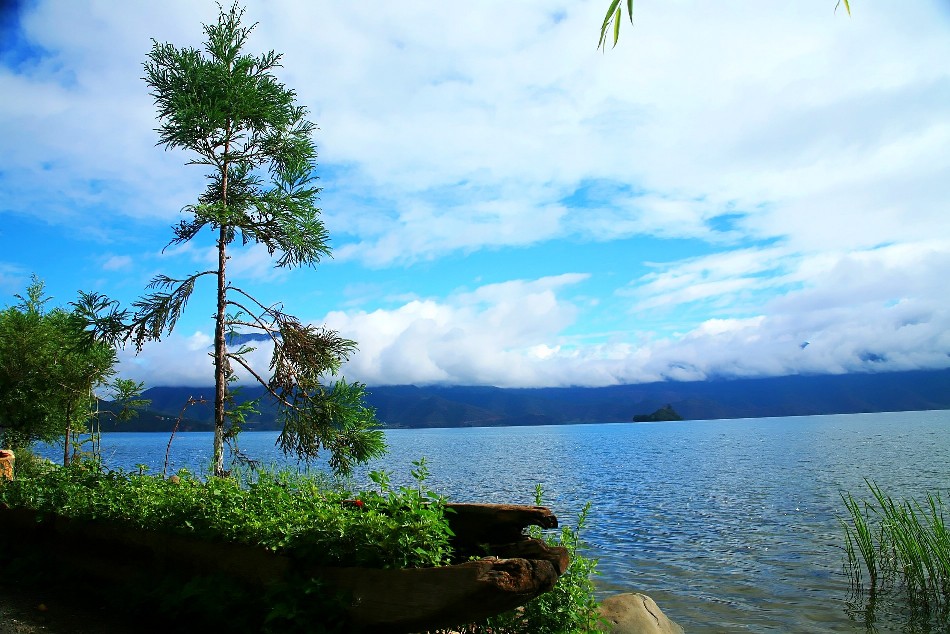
<point>6,464</point>
<point>661,415</point>
<point>635,613</point>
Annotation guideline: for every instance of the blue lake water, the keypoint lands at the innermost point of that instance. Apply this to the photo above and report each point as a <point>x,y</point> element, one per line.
<point>731,526</point>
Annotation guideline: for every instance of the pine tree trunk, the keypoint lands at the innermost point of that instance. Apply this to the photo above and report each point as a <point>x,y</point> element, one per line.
<point>220,348</point>
<point>220,360</point>
<point>69,433</point>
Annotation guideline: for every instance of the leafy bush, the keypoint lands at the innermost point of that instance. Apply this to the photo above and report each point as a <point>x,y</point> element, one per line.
<point>280,511</point>
<point>305,516</point>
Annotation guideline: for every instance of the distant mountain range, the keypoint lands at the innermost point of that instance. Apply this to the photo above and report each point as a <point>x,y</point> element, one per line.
<point>460,406</point>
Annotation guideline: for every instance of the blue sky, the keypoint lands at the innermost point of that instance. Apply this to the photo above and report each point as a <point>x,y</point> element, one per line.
<point>509,206</point>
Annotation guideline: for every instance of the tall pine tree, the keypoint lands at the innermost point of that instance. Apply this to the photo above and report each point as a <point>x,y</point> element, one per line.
<point>229,110</point>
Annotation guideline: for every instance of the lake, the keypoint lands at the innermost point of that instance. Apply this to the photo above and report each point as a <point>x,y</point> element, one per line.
<point>729,525</point>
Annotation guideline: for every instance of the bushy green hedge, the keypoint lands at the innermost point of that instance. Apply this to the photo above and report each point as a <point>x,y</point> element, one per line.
<point>282,512</point>
<point>307,517</point>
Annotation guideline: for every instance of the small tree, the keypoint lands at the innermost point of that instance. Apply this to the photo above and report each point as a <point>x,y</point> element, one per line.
<point>50,367</point>
<point>229,110</point>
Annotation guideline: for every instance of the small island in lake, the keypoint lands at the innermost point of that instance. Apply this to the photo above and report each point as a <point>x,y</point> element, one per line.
<point>662,414</point>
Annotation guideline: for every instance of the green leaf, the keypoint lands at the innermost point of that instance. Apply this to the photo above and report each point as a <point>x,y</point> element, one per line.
<point>610,10</point>
<point>603,28</point>
<point>617,26</point>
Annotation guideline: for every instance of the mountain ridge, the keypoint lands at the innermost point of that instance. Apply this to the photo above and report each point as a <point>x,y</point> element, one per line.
<point>479,406</point>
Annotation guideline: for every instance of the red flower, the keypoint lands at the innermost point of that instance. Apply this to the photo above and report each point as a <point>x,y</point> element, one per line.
<point>359,503</point>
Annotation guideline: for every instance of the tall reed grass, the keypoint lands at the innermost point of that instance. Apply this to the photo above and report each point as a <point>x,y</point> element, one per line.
<point>902,546</point>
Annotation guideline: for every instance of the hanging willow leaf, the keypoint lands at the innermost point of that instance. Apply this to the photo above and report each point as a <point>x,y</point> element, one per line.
<point>614,15</point>
<point>614,6</point>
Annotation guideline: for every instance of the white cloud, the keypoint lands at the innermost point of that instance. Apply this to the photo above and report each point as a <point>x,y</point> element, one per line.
<point>488,335</point>
<point>117,263</point>
<point>821,138</point>
<point>475,139</point>
<point>13,279</point>
<point>516,333</point>
<point>176,361</point>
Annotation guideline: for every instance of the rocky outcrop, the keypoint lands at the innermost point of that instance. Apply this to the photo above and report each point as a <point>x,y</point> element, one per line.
<point>663,414</point>
<point>635,613</point>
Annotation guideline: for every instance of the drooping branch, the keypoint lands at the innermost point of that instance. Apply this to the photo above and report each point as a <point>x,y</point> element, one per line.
<point>302,354</point>
<point>306,354</point>
<point>251,324</point>
<point>266,309</point>
<point>334,419</point>
<point>103,320</point>
<point>158,312</point>
<point>272,329</point>
<point>314,416</point>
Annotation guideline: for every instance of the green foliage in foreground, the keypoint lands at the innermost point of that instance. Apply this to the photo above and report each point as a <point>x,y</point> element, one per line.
<point>282,512</point>
<point>302,515</point>
<point>904,549</point>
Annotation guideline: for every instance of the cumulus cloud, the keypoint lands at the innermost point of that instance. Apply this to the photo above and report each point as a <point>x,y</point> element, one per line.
<point>519,333</point>
<point>117,262</point>
<point>176,361</point>
<point>490,335</point>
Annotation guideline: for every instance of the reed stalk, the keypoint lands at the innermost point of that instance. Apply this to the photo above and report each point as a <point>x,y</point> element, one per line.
<point>903,546</point>
<point>858,535</point>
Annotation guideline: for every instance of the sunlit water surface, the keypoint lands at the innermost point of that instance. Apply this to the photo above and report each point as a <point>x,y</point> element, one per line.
<point>730,526</point>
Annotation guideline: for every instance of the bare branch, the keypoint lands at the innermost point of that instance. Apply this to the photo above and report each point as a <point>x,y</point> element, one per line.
<point>240,360</point>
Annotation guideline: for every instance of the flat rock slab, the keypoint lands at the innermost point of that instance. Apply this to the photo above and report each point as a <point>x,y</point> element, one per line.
<point>635,613</point>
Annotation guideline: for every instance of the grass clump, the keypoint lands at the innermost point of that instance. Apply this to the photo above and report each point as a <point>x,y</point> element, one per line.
<point>903,548</point>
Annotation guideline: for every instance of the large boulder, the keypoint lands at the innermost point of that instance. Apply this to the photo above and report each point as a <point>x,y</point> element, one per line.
<point>635,613</point>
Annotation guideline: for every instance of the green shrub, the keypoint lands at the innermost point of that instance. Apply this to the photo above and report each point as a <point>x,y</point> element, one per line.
<point>305,516</point>
<point>280,511</point>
